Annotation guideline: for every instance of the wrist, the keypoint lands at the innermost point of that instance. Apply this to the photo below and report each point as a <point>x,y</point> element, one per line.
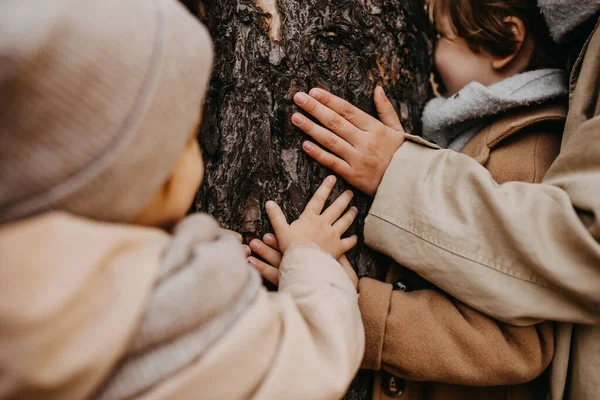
<point>373,189</point>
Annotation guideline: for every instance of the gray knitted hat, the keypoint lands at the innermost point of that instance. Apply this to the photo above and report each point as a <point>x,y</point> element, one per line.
<point>563,16</point>
<point>97,101</point>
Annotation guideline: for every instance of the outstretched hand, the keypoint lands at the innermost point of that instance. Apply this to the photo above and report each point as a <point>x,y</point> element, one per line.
<point>363,146</point>
<point>323,228</point>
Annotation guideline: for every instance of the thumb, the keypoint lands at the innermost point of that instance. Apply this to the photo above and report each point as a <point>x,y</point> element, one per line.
<point>276,217</point>
<point>386,111</point>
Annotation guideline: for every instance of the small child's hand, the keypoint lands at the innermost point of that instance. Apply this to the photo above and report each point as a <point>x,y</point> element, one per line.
<point>268,250</point>
<point>365,146</point>
<point>323,229</point>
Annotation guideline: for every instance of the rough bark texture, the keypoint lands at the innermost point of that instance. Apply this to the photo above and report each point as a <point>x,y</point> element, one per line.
<point>266,51</point>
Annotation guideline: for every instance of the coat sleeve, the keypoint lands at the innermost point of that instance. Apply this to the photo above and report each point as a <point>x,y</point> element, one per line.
<point>210,327</point>
<point>519,252</point>
<point>426,335</point>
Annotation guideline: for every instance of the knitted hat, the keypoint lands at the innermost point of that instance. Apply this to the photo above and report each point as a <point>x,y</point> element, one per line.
<point>97,102</point>
<point>564,16</point>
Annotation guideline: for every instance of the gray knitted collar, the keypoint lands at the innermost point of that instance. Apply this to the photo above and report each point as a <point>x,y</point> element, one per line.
<point>563,16</point>
<point>452,122</point>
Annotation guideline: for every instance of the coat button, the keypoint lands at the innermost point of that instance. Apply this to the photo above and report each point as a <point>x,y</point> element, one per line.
<point>401,286</point>
<point>392,385</point>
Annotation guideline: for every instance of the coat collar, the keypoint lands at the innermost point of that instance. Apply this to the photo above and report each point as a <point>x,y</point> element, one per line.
<point>509,125</point>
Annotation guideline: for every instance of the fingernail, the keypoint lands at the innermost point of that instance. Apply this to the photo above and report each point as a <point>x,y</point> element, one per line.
<point>251,260</point>
<point>301,98</point>
<point>308,146</point>
<point>247,251</point>
<point>268,238</point>
<point>316,93</point>
<point>354,209</point>
<point>331,179</point>
<point>270,204</point>
<point>297,119</point>
<point>255,244</point>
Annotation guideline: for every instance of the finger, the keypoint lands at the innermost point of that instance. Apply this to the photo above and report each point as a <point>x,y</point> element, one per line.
<point>336,209</point>
<point>317,202</point>
<point>276,217</point>
<point>327,117</point>
<point>342,224</point>
<point>326,159</point>
<point>344,261</point>
<point>349,243</point>
<point>387,113</point>
<point>267,253</point>
<point>271,240</point>
<point>267,271</point>
<point>354,115</point>
<point>324,136</point>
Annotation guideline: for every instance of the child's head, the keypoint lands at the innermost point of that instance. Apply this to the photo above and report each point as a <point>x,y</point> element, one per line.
<point>99,107</point>
<point>173,199</point>
<point>489,40</point>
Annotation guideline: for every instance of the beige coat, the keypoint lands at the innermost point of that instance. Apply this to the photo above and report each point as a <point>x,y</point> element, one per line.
<point>519,252</point>
<point>432,346</point>
<point>110,311</point>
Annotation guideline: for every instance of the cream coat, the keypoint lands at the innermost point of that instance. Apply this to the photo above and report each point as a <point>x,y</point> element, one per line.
<point>83,313</point>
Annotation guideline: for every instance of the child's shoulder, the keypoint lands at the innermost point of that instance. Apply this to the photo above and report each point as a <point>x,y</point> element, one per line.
<point>61,246</point>
<point>520,145</point>
<point>547,118</point>
<point>66,232</point>
<point>65,275</point>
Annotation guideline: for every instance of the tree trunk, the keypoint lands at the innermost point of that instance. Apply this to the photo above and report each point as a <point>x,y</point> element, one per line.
<point>266,51</point>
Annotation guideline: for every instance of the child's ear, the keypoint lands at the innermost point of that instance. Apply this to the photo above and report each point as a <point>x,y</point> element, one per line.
<point>518,28</point>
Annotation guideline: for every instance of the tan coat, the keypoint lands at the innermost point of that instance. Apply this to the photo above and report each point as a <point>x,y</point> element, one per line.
<point>432,346</point>
<point>89,309</point>
<point>521,253</point>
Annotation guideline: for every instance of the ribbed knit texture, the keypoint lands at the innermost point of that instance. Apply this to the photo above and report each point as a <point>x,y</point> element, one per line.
<point>97,101</point>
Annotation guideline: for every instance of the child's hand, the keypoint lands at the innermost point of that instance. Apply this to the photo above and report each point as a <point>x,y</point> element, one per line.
<point>324,230</point>
<point>268,250</point>
<point>366,146</point>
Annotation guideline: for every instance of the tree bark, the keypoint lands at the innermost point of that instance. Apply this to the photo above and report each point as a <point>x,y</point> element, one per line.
<point>265,52</point>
